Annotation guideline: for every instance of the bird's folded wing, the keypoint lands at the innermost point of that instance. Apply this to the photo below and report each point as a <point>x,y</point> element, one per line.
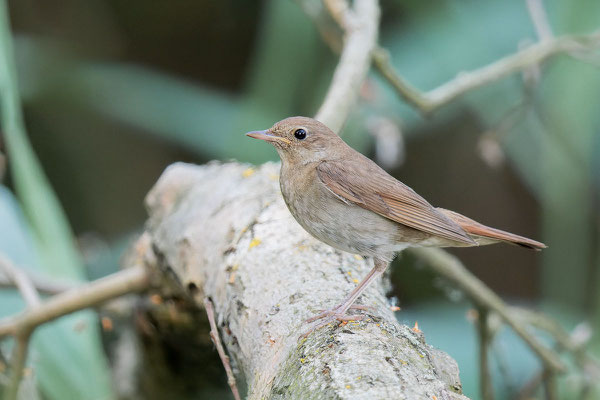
<point>370,187</point>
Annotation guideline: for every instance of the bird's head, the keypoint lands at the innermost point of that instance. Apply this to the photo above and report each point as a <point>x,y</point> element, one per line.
<point>300,139</point>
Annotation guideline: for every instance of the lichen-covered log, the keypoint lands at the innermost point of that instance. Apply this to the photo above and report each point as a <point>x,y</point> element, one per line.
<point>223,231</point>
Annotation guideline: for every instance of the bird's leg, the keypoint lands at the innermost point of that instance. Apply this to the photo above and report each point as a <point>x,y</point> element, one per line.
<point>339,312</point>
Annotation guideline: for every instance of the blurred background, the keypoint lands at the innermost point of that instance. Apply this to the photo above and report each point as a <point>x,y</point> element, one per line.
<point>114,91</point>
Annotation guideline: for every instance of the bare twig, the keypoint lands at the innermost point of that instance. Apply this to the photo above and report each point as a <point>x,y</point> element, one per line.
<point>44,286</point>
<point>21,326</point>
<point>360,25</point>
<point>452,269</point>
<point>17,361</point>
<point>550,389</point>
<point>127,281</point>
<point>214,335</point>
<point>535,54</point>
<point>485,339</point>
<point>32,299</point>
<point>21,281</point>
<point>538,15</point>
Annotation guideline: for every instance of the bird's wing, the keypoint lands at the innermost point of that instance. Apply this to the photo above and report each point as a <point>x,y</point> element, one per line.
<point>370,187</point>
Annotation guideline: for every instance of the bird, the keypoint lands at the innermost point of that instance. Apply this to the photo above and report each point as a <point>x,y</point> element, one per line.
<point>347,201</point>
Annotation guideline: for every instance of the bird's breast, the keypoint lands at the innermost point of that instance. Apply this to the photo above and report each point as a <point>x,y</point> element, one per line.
<point>340,224</point>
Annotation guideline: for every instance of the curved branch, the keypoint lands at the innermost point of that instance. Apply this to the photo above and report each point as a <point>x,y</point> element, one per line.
<point>537,53</point>
<point>88,295</point>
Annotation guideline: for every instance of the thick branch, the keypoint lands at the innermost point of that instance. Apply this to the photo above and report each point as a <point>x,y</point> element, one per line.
<point>224,232</point>
<point>360,24</point>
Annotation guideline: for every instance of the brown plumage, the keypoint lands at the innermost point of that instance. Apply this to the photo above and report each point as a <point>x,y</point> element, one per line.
<point>346,200</point>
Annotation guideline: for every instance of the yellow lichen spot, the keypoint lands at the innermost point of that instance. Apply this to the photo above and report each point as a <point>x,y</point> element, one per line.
<point>255,242</point>
<point>421,355</point>
<point>403,362</point>
<point>348,386</point>
<point>303,360</point>
<point>358,257</point>
<point>377,324</point>
<point>355,280</point>
<point>349,273</point>
<point>358,378</point>
<point>248,172</point>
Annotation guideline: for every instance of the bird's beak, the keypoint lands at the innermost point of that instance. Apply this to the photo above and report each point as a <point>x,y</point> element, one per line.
<point>266,136</point>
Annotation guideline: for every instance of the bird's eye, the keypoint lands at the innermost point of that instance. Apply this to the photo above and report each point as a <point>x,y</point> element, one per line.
<point>300,134</point>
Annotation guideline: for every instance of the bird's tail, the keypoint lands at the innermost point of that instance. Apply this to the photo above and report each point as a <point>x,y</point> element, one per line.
<point>485,235</point>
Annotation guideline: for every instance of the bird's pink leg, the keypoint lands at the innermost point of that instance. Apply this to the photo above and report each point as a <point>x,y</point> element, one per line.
<point>338,313</point>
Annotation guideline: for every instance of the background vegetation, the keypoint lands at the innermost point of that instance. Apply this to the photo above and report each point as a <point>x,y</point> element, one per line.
<point>112,92</point>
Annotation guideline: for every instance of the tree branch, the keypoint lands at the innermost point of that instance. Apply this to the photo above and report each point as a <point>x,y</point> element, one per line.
<point>226,234</point>
<point>21,281</point>
<point>448,266</point>
<point>537,53</point>
<point>360,25</point>
<point>88,295</point>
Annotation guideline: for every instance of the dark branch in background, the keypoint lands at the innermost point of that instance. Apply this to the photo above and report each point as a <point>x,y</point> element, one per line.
<point>485,340</point>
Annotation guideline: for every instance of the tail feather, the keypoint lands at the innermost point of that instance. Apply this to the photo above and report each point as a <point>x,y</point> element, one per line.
<point>485,235</point>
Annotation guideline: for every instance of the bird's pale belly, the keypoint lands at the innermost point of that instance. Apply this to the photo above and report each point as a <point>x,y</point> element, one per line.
<point>346,227</point>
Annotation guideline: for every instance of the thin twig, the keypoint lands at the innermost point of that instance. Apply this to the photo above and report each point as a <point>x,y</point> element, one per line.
<point>427,102</point>
<point>42,285</point>
<point>17,361</point>
<point>550,389</point>
<point>535,54</point>
<point>484,335</point>
<point>21,281</point>
<point>88,295</point>
<point>360,25</point>
<point>451,268</point>
<point>538,15</point>
<point>32,299</point>
<point>214,334</point>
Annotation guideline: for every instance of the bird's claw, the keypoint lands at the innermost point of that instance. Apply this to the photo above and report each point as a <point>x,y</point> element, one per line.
<point>333,315</point>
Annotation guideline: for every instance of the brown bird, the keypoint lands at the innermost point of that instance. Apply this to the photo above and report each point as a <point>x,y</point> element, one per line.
<point>347,201</point>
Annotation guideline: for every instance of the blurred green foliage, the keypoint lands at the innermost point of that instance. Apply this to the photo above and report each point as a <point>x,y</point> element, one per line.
<point>114,91</point>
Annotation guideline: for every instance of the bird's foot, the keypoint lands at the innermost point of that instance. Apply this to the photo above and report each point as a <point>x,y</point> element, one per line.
<point>334,314</point>
<point>337,313</point>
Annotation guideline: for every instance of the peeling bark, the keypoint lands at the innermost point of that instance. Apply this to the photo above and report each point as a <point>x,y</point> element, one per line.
<point>223,231</point>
